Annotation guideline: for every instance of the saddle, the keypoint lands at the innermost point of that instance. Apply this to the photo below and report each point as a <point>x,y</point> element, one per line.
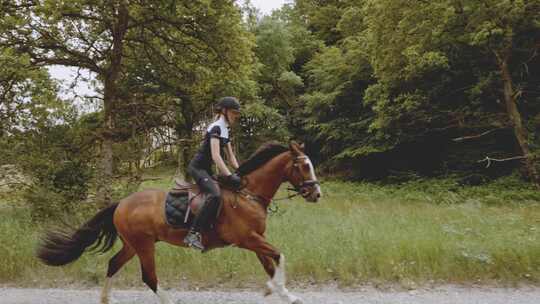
<point>183,202</point>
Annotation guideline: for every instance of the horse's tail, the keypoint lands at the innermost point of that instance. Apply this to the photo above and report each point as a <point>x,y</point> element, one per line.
<point>61,246</point>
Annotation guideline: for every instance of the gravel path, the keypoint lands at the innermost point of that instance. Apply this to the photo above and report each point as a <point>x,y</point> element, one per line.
<point>329,295</point>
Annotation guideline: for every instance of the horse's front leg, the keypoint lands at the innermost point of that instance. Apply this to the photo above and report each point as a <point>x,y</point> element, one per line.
<point>274,264</point>
<point>268,264</point>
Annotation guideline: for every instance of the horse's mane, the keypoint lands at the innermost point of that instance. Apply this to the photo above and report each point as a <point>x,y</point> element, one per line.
<point>261,156</point>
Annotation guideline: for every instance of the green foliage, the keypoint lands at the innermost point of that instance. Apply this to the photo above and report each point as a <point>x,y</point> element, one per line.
<point>273,47</point>
<point>40,138</point>
<point>62,179</point>
<point>322,17</point>
<point>45,202</point>
<point>149,58</point>
<point>258,125</point>
<point>420,232</point>
<point>418,73</point>
<point>17,248</point>
<point>357,80</point>
<point>334,111</point>
<point>275,54</point>
<point>56,158</point>
<point>304,42</point>
<point>27,94</point>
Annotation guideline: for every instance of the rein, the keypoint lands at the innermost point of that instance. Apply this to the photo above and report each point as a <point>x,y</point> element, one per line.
<point>262,200</point>
<point>254,197</point>
<point>269,201</point>
<point>288,196</point>
<point>276,206</point>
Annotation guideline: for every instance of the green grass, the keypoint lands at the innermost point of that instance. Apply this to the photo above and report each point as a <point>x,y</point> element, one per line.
<point>415,233</point>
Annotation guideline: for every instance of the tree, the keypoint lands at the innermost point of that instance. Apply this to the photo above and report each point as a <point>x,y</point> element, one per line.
<point>401,73</point>
<point>191,80</point>
<point>275,54</point>
<point>439,48</point>
<point>509,32</point>
<point>322,17</point>
<point>333,107</point>
<point>27,94</point>
<point>101,35</point>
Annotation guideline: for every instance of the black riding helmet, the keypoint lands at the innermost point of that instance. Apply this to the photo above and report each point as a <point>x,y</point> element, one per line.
<point>228,103</point>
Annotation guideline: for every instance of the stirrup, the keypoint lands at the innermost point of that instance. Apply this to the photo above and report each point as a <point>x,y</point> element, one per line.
<point>194,240</point>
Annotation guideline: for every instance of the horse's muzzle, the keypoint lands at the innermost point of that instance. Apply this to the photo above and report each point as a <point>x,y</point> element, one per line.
<point>311,193</point>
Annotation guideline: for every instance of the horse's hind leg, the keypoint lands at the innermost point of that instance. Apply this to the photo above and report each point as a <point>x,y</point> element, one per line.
<point>115,263</point>
<point>148,269</point>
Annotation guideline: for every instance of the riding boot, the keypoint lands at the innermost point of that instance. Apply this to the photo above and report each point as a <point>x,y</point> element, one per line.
<point>193,238</point>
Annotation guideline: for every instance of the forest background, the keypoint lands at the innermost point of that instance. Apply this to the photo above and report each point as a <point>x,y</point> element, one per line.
<point>383,91</point>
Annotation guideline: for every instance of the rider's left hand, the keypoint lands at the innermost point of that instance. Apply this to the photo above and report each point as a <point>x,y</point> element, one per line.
<point>234,181</point>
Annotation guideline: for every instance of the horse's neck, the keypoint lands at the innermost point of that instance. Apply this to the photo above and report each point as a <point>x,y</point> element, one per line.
<point>265,181</point>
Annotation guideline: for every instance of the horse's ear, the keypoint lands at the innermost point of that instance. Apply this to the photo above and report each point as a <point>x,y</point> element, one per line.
<point>295,147</point>
<point>302,147</point>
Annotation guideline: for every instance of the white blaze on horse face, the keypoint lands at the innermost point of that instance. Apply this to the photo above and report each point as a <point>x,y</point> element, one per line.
<point>313,177</point>
<point>311,170</point>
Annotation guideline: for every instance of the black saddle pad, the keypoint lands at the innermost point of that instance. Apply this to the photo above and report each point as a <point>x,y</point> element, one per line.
<point>176,207</point>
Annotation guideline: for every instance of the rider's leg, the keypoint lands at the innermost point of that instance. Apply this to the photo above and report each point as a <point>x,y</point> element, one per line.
<point>208,210</point>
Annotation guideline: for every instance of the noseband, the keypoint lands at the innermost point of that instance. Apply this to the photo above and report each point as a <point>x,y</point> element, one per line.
<point>306,183</point>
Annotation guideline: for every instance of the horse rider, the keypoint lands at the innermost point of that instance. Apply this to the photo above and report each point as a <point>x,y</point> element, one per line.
<point>215,142</point>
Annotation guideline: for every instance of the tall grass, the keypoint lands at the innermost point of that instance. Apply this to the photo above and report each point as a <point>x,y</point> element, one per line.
<point>414,233</point>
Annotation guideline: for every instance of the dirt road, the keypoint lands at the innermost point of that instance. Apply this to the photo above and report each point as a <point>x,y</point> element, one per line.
<point>330,295</point>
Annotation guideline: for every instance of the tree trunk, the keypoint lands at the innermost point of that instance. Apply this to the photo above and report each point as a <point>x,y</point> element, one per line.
<point>105,176</point>
<point>515,118</point>
<point>184,133</point>
<point>104,190</point>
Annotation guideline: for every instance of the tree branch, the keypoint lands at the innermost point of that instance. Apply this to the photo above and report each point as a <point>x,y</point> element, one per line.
<point>460,139</point>
<point>489,159</point>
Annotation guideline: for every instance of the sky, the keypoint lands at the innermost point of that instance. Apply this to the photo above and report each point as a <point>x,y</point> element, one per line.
<point>67,75</point>
<point>266,6</point>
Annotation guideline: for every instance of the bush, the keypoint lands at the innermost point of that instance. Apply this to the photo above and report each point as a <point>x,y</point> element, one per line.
<point>46,203</point>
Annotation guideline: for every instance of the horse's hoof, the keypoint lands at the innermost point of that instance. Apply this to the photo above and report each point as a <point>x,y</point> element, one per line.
<point>268,289</point>
<point>111,300</point>
<point>298,301</point>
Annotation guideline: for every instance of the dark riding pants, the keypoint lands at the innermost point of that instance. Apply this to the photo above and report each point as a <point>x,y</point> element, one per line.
<point>210,208</point>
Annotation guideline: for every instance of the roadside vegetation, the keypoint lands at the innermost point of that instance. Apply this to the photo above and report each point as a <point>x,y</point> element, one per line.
<point>424,120</point>
<point>415,233</point>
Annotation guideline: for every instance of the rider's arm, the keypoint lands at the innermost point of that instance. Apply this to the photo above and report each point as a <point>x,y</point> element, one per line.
<point>231,157</point>
<point>216,156</point>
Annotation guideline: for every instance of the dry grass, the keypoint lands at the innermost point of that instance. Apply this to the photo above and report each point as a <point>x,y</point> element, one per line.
<point>415,233</point>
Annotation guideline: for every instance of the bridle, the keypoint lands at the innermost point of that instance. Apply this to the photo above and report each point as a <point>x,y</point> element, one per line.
<point>302,188</point>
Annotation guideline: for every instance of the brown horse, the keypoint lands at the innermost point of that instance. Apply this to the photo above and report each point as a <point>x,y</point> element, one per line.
<point>139,221</point>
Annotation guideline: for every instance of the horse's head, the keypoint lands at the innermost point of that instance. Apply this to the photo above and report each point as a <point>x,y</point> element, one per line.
<point>301,174</point>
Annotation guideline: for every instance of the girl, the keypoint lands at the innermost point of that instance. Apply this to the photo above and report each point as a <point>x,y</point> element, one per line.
<point>200,167</point>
